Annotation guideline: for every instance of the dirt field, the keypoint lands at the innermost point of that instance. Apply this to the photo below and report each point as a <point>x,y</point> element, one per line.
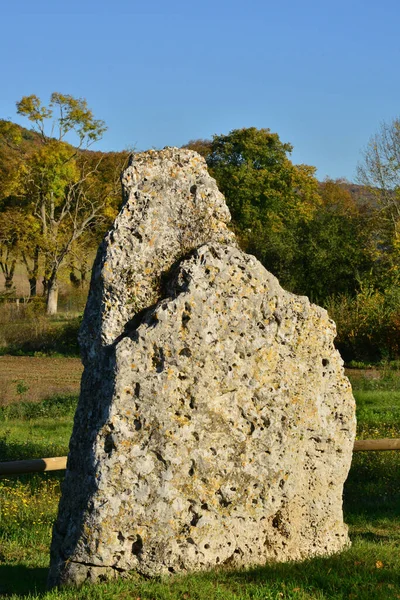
<point>46,376</point>
<point>42,376</point>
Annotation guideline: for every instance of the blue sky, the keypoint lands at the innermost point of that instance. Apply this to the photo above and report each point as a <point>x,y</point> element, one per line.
<point>323,75</point>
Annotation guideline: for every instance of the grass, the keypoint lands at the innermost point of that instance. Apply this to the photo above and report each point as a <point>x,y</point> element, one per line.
<point>369,570</point>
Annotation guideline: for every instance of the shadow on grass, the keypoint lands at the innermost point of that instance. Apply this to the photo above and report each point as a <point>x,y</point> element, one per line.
<point>12,450</point>
<point>352,574</point>
<point>373,537</point>
<point>372,490</point>
<point>348,575</point>
<point>21,580</point>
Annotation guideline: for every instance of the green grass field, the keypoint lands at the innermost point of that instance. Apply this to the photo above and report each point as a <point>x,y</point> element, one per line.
<point>370,569</point>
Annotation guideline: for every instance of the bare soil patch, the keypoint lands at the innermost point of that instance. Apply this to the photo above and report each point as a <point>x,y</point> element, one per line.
<point>42,376</point>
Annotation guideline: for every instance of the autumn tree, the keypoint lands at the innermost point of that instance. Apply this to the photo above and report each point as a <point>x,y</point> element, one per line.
<point>56,180</point>
<point>379,171</point>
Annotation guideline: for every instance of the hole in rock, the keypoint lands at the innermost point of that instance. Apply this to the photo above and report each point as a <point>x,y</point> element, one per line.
<point>195,519</point>
<point>325,362</point>
<point>191,470</point>
<point>185,352</point>
<point>158,359</point>
<point>206,546</point>
<point>171,569</point>
<point>109,443</point>
<point>161,458</point>
<point>137,424</point>
<point>224,502</point>
<point>204,506</point>
<point>193,189</point>
<point>137,546</point>
<point>185,319</point>
<point>137,390</point>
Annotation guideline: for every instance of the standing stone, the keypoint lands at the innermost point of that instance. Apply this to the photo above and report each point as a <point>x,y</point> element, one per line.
<point>215,424</point>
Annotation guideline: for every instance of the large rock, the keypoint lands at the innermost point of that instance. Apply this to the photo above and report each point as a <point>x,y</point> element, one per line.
<point>215,424</point>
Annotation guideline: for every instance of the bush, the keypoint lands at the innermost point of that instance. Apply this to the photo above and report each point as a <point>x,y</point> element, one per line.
<point>26,329</point>
<point>368,325</point>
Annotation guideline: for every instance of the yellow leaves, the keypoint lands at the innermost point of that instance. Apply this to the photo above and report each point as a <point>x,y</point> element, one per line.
<point>379,564</point>
<point>31,107</point>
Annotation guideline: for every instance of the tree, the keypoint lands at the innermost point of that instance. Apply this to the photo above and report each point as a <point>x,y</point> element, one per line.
<point>335,244</point>
<point>379,170</point>
<point>56,179</point>
<point>270,199</point>
<point>17,232</point>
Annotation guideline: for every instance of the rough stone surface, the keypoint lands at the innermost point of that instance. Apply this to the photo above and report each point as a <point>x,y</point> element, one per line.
<point>215,424</point>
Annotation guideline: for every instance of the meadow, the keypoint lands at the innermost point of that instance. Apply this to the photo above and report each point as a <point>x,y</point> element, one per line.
<point>369,569</point>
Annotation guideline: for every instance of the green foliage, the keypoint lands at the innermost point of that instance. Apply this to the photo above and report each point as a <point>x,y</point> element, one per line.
<point>69,114</point>
<point>270,199</point>
<point>259,181</point>
<point>334,245</point>
<point>49,408</point>
<point>368,324</point>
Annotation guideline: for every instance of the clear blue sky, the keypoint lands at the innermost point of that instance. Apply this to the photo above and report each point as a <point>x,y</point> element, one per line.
<point>323,74</point>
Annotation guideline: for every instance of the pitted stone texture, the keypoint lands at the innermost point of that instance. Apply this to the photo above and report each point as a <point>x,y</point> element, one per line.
<point>171,205</point>
<point>227,437</point>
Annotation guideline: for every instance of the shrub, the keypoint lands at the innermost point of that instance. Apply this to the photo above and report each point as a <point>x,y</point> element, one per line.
<point>368,324</point>
<point>26,329</point>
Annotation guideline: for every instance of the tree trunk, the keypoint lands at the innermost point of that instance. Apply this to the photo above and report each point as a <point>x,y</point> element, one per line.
<point>74,279</point>
<point>32,286</point>
<point>52,295</point>
<point>84,272</point>
<point>8,281</point>
<point>8,273</point>
<point>32,272</point>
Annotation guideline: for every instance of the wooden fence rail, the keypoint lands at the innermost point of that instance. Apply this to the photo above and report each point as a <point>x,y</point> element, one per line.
<point>59,463</point>
<point>15,467</point>
<point>383,444</point>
